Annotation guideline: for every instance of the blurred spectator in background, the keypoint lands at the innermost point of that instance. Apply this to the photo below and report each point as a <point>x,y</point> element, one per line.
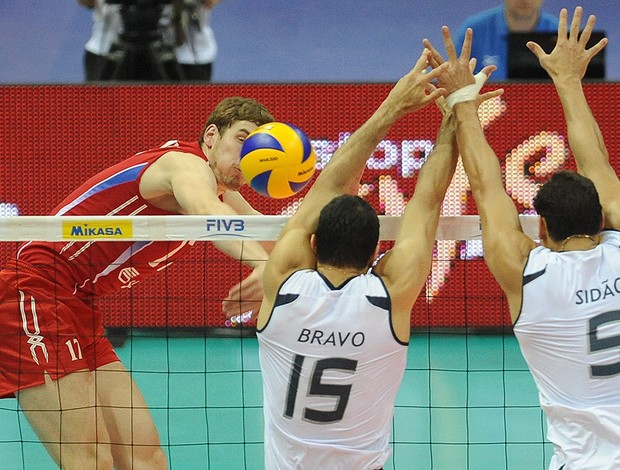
<point>491,28</point>
<point>156,40</point>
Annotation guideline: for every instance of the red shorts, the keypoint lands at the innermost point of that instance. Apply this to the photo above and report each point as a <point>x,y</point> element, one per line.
<point>44,328</point>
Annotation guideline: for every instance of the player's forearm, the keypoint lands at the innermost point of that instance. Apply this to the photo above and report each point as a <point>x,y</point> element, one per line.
<point>495,207</point>
<point>437,172</point>
<point>584,135</point>
<point>479,160</point>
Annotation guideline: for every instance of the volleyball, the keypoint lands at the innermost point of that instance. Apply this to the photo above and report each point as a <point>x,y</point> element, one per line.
<point>277,160</point>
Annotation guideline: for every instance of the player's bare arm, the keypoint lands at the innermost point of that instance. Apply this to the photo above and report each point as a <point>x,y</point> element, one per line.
<point>413,247</point>
<point>506,246</point>
<point>566,65</point>
<point>184,183</point>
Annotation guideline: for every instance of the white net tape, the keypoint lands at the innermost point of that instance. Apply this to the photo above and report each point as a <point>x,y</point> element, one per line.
<point>192,227</point>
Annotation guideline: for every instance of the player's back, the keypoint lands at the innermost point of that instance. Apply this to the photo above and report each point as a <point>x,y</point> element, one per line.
<point>331,369</point>
<point>569,333</point>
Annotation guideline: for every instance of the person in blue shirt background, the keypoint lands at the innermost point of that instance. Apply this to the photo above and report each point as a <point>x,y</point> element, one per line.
<point>491,28</point>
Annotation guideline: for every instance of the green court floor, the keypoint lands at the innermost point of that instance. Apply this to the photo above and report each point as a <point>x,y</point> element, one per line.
<point>467,402</point>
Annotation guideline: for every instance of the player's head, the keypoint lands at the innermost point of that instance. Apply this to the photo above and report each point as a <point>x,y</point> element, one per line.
<point>236,108</point>
<point>570,205</point>
<point>347,233</point>
<point>224,133</point>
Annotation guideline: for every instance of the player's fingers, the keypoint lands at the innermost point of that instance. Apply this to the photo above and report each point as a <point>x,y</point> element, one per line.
<point>234,294</point>
<point>584,37</point>
<point>441,102</point>
<point>434,73</point>
<point>575,24</point>
<point>562,25</point>
<point>245,290</point>
<point>422,62</point>
<point>598,47</point>
<point>435,94</point>
<point>536,49</point>
<point>466,49</point>
<point>488,70</point>
<point>449,45</point>
<point>434,55</point>
<point>238,302</point>
<point>491,94</point>
<point>230,308</point>
<point>472,64</point>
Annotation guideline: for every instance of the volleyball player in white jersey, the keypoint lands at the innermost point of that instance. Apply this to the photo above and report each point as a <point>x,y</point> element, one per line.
<point>564,296</point>
<point>333,334</point>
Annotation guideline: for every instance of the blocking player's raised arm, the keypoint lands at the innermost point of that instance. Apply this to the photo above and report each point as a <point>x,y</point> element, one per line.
<point>566,65</point>
<point>506,247</point>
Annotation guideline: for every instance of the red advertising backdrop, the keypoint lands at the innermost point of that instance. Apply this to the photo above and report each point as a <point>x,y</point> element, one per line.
<point>54,137</point>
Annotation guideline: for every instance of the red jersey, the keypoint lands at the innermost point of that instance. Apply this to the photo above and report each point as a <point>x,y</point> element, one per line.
<point>98,267</point>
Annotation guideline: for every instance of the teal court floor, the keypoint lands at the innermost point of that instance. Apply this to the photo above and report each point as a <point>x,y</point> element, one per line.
<point>466,402</point>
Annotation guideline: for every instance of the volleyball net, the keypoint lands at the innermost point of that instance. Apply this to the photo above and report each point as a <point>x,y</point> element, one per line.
<point>467,400</point>
<point>460,292</point>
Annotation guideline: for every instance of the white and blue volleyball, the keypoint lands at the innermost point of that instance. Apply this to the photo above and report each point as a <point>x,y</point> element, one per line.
<point>277,160</point>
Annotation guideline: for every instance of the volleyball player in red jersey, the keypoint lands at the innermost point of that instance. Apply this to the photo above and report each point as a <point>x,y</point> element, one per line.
<point>54,357</point>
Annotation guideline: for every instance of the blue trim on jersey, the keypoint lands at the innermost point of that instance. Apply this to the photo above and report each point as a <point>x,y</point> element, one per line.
<point>283,299</point>
<point>260,330</point>
<point>381,302</point>
<point>389,307</point>
<point>125,176</point>
<point>338,287</point>
<point>530,277</point>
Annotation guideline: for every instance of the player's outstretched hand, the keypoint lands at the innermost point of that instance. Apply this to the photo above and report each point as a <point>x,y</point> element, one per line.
<point>455,71</point>
<point>411,92</point>
<point>442,103</point>
<point>570,58</point>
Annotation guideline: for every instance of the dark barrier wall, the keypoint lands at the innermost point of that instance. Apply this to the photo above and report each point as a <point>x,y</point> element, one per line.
<point>54,137</point>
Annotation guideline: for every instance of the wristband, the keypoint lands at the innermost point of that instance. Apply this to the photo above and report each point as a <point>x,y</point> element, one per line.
<point>468,92</point>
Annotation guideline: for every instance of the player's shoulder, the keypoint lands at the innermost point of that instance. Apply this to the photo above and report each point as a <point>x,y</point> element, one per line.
<point>511,245</point>
<point>537,259</point>
<point>182,156</point>
<point>610,236</point>
<point>177,146</point>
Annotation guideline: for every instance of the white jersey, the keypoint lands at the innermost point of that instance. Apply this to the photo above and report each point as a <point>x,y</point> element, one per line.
<point>331,368</point>
<point>569,333</point>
